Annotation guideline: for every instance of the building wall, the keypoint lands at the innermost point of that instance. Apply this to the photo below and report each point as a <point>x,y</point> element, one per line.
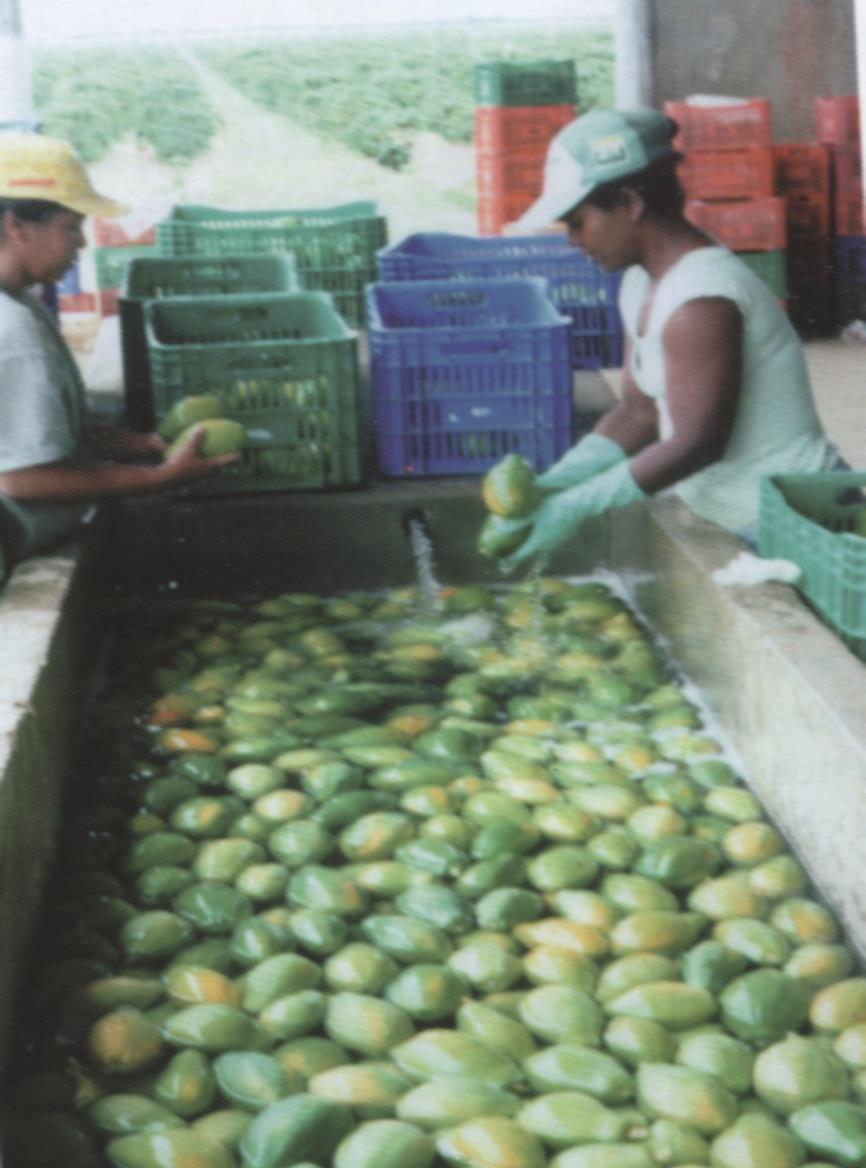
<point>789,51</point>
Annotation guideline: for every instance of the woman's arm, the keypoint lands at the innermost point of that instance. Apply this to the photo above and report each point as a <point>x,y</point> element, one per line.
<point>124,445</point>
<point>703,361</point>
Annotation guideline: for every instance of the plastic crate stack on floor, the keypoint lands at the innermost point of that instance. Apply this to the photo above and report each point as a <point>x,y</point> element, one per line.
<point>284,365</point>
<point>464,372</point>
<point>837,124</point>
<point>728,176</point>
<point>520,106</point>
<point>802,171</point>
<point>115,244</point>
<point>334,247</point>
<point>157,277</point>
<point>579,288</point>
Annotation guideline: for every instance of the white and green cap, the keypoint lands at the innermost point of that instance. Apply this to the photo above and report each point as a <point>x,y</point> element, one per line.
<point>597,148</point>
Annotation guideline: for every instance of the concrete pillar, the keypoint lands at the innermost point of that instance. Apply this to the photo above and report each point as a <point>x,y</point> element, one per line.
<point>633,74</point>
<point>16,96</point>
<point>860,34</point>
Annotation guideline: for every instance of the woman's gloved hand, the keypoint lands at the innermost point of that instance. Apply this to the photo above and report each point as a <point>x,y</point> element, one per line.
<point>560,515</point>
<point>587,458</point>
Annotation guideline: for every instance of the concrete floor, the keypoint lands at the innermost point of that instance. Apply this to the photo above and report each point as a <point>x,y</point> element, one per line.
<point>838,371</point>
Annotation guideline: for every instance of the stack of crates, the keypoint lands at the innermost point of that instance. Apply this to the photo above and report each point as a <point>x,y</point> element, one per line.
<point>520,106</point>
<point>802,177</point>
<point>113,248</point>
<point>728,176</point>
<point>837,123</point>
<point>158,277</point>
<point>579,288</point>
<point>334,247</point>
<point>464,372</point>
<point>284,365</point>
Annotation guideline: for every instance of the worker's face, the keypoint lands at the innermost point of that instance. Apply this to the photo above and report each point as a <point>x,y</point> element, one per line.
<point>606,236</point>
<point>49,248</point>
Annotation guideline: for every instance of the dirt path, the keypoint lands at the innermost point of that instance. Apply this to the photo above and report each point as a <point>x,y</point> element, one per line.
<point>260,159</point>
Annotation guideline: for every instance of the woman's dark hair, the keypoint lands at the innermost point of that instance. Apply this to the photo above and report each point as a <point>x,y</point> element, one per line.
<point>658,186</point>
<point>31,210</point>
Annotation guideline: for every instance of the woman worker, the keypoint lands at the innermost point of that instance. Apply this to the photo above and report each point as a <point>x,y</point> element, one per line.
<point>715,390</point>
<point>53,460</point>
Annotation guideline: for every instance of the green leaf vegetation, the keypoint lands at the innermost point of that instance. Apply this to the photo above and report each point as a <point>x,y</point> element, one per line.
<point>96,97</point>
<point>372,92</point>
<point>375,92</point>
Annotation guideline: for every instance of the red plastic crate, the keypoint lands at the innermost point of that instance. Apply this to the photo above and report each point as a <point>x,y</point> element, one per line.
<point>723,127</point>
<point>106,301</point>
<point>849,215</point>
<point>808,217</point>
<point>80,302</point>
<point>511,173</point>
<point>495,211</point>
<point>742,224</point>
<point>802,169</point>
<point>110,233</point>
<point>728,174</point>
<point>847,170</point>
<point>837,119</point>
<point>499,128</point>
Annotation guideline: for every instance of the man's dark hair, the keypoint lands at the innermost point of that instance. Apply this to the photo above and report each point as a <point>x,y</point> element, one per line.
<point>31,210</point>
<point>658,186</point>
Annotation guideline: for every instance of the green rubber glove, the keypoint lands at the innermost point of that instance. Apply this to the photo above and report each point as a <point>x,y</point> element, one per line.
<point>560,515</point>
<point>589,457</point>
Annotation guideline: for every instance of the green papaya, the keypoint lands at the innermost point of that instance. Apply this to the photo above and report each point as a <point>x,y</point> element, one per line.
<point>187,412</point>
<point>220,436</point>
<point>509,489</point>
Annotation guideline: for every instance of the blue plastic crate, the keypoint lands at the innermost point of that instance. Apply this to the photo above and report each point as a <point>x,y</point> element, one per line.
<point>579,288</point>
<point>850,255</point>
<point>464,372</point>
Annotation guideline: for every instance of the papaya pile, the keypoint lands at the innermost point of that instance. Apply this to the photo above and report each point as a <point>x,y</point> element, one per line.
<point>204,410</point>
<point>342,884</point>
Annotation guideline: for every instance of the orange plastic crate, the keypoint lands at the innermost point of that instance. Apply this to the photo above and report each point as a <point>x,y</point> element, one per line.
<point>742,224</point>
<point>724,127</point>
<point>494,211</point>
<point>728,174</point>
<point>511,173</point>
<point>499,128</point>
<point>837,119</point>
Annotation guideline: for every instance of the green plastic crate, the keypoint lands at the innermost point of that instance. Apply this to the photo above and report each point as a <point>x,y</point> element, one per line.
<point>525,83</point>
<point>335,247</point>
<point>110,263</point>
<point>771,266</point>
<point>155,277</point>
<point>285,365</point>
<point>809,519</point>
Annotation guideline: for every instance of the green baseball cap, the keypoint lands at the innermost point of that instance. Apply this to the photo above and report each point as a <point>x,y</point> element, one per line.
<point>597,148</point>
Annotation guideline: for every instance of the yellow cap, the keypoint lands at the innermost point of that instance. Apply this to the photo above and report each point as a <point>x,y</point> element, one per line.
<point>33,166</point>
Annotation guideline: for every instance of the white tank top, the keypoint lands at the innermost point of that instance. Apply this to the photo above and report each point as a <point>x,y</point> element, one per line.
<point>776,428</point>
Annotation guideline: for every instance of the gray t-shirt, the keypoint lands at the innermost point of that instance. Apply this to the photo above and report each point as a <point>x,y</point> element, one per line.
<point>43,415</point>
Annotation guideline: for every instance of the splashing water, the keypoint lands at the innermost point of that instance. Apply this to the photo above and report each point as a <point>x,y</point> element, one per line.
<point>425,567</point>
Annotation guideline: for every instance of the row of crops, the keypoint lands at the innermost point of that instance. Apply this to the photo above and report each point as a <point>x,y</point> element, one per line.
<point>372,93</point>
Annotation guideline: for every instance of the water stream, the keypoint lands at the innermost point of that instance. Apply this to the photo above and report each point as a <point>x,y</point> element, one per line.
<point>425,568</point>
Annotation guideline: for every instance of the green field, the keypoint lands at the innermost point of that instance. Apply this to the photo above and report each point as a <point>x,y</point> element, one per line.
<point>371,93</point>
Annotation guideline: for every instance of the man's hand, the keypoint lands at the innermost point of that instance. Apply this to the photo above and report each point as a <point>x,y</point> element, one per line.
<point>561,514</point>
<point>187,463</point>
